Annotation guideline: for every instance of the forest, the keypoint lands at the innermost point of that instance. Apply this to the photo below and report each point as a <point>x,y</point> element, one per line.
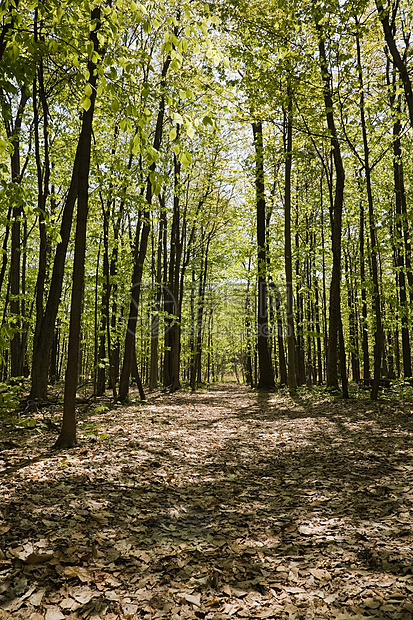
<point>196,189</point>
<point>206,287</point>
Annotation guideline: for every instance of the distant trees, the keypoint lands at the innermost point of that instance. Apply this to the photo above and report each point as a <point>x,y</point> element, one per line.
<point>199,190</point>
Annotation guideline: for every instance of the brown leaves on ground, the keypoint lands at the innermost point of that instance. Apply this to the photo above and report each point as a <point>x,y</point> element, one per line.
<point>223,504</point>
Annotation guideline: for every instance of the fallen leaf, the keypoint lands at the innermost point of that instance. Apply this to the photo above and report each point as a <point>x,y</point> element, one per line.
<point>68,603</point>
<point>305,530</point>
<point>37,598</point>
<point>54,613</point>
<point>264,613</point>
<point>238,593</point>
<point>77,571</point>
<point>190,598</point>
<point>82,595</point>
<point>129,610</point>
<point>320,573</point>
<point>230,609</point>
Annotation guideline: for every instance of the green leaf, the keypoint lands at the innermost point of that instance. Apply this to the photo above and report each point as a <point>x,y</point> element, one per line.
<point>190,131</point>
<point>88,90</point>
<point>3,145</point>
<point>86,104</point>
<point>172,134</point>
<point>185,159</point>
<point>177,118</point>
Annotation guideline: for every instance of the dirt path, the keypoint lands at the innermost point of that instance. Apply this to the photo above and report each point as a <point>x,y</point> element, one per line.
<point>223,504</point>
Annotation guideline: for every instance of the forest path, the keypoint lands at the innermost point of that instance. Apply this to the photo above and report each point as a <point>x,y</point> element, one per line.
<point>227,503</point>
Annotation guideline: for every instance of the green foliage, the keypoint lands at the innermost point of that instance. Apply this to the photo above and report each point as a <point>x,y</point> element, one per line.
<point>9,397</point>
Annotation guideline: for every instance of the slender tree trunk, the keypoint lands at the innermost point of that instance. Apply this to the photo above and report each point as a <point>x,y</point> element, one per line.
<point>400,195</point>
<point>54,373</point>
<point>352,322</point>
<point>67,436</point>
<point>280,342</point>
<point>43,176</point>
<point>141,244</point>
<point>44,331</point>
<point>266,373</point>
<point>197,355</point>
<point>248,346</point>
<point>299,323</point>
<point>324,280</point>
<point>378,332</point>
<point>248,336</point>
<point>172,323</point>
<point>154,363</point>
<point>13,133</point>
<point>336,223</point>
<point>318,332</point>
<point>288,147</point>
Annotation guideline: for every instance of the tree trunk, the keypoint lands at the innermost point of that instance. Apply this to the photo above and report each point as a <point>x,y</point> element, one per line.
<point>299,322</point>
<point>378,332</point>
<point>352,321</point>
<point>67,436</point>
<point>318,332</point>
<point>288,145</point>
<point>141,245</point>
<point>154,370</point>
<point>171,300</point>
<point>400,195</point>
<point>45,325</point>
<point>266,374</point>
<point>13,133</point>
<point>280,342</point>
<point>336,219</point>
<point>195,376</point>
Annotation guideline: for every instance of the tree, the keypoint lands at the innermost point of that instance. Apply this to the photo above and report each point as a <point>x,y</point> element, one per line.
<point>266,373</point>
<point>291,344</point>
<point>67,436</point>
<point>335,324</point>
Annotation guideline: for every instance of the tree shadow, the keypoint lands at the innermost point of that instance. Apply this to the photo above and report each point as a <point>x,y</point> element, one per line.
<point>253,496</point>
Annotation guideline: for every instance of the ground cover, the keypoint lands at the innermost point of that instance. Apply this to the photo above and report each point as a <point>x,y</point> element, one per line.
<point>227,503</point>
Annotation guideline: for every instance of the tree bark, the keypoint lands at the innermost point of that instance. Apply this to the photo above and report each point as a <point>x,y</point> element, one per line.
<point>288,145</point>
<point>266,373</point>
<point>45,325</point>
<point>400,195</point>
<point>336,222</point>
<point>378,332</point>
<point>154,370</point>
<point>171,300</point>
<point>13,133</point>
<point>67,436</point>
<point>141,245</point>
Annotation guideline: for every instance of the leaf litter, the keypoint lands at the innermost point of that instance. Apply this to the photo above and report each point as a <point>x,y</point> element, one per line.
<point>227,503</point>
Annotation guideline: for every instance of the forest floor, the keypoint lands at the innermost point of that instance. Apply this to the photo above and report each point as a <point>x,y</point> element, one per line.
<point>227,503</point>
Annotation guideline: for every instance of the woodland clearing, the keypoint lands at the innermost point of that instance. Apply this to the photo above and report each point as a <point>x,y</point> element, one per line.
<point>227,503</point>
